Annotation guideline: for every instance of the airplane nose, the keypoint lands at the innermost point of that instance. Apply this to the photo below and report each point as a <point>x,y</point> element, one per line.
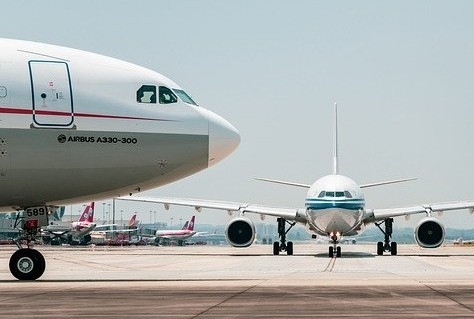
<point>223,138</point>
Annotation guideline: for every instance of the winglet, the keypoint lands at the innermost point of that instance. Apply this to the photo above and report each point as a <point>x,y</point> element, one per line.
<point>335,164</point>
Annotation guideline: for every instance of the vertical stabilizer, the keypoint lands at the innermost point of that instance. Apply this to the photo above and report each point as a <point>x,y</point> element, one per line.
<point>132,220</point>
<point>88,214</point>
<point>335,164</point>
<point>185,225</point>
<point>191,223</point>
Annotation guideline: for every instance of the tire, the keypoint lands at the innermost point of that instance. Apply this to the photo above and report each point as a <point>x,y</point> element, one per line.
<point>338,251</point>
<point>380,248</point>
<point>393,249</point>
<point>331,252</point>
<point>276,248</point>
<point>27,264</point>
<point>289,248</point>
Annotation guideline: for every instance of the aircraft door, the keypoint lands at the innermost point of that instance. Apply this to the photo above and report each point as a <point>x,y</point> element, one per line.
<point>51,94</point>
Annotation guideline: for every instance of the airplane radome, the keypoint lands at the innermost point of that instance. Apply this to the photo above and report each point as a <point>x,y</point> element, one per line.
<point>77,126</point>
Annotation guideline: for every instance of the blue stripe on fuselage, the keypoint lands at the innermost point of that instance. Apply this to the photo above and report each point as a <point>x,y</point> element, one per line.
<point>353,204</point>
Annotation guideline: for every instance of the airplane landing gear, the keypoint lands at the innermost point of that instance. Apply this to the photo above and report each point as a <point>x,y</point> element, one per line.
<point>28,263</point>
<point>334,248</point>
<point>282,245</point>
<point>386,245</point>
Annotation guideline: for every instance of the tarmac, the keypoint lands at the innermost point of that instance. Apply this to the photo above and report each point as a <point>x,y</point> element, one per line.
<point>225,282</point>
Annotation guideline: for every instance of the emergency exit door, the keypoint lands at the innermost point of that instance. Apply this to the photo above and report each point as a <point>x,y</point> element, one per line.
<point>51,93</point>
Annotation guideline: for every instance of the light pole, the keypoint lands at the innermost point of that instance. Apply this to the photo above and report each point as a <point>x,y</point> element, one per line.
<point>108,214</point>
<point>155,218</point>
<point>171,226</point>
<point>103,211</point>
<point>113,212</point>
<point>121,217</point>
<point>150,216</point>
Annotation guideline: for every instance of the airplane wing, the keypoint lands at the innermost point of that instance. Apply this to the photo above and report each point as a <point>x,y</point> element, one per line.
<point>293,214</point>
<point>381,214</point>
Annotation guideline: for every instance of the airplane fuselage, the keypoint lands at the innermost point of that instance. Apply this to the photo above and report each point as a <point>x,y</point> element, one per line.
<point>335,207</point>
<point>175,234</point>
<point>77,126</point>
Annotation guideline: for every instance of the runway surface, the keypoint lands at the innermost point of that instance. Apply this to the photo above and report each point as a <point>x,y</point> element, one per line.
<point>225,282</point>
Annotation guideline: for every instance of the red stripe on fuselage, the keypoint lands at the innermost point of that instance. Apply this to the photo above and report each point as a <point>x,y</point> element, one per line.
<point>11,110</point>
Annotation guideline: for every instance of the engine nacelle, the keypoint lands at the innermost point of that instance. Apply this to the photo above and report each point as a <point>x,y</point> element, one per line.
<point>429,233</point>
<point>240,232</point>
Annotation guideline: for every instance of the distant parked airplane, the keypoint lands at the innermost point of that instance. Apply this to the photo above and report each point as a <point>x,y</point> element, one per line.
<point>77,232</point>
<point>178,235</point>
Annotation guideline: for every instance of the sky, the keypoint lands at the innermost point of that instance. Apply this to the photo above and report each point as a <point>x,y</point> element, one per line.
<point>402,73</point>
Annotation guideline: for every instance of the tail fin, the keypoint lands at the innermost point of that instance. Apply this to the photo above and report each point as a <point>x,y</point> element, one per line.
<point>335,163</point>
<point>191,223</point>
<point>185,225</point>
<point>132,220</point>
<point>88,214</point>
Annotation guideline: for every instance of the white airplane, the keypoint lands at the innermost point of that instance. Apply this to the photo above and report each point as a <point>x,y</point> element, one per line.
<point>177,234</point>
<point>79,230</point>
<point>113,228</point>
<point>335,207</point>
<point>77,126</point>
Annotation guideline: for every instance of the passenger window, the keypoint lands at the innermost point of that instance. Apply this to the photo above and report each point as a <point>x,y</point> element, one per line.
<point>146,94</point>
<point>166,96</point>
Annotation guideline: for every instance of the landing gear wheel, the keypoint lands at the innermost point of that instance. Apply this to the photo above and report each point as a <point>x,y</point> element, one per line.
<point>276,248</point>
<point>338,251</point>
<point>283,245</point>
<point>380,248</point>
<point>386,245</point>
<point>289,248</point>
<point>331,252</point>
<point>27,264</point>
<point>393,248</point>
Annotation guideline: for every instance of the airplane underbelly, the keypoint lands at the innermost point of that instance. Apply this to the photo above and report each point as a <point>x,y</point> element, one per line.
<point>50,166</point>
<point>335,220</point>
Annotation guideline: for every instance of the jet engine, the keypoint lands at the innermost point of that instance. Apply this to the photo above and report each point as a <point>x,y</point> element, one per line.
<point>240,232</point>
<point>429,233</point>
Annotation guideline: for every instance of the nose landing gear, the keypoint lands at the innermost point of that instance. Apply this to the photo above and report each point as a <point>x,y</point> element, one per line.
<point>334,248</point>
<point>28,263</point>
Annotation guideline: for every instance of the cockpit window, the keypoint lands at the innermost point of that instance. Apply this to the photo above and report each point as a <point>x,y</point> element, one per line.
<point>166,96</point>
<point>146,94</point>
<point>184,96</point>
<point>334,194</point>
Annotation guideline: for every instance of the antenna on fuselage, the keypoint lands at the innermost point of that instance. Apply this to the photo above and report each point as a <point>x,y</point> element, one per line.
<point>335,164</point>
